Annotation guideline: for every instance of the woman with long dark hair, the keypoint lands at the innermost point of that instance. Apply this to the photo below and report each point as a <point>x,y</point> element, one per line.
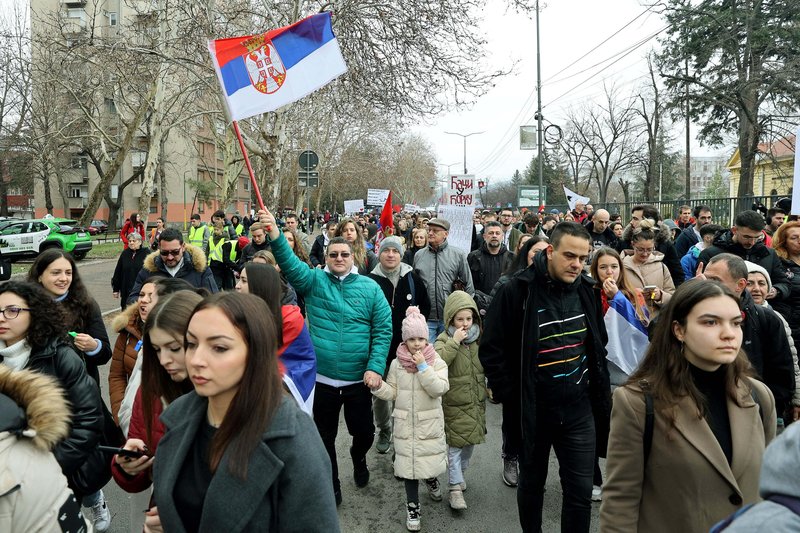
<point>56,271</point>
<point>709,421</point>
<point>238,432</point>
<point>364,260</point>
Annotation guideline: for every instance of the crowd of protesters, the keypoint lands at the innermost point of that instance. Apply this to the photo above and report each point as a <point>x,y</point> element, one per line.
<point>666,346</point>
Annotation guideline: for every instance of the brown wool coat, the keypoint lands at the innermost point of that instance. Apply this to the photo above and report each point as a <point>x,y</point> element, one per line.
<point>687,484</point>
<point>124,355</point>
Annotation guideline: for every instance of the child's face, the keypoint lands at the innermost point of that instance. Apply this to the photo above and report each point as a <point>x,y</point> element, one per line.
<point>463,319</point>
<point>415,344</point>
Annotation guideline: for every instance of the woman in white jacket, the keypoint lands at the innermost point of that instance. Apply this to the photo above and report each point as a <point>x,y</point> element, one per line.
<point>416,382</point>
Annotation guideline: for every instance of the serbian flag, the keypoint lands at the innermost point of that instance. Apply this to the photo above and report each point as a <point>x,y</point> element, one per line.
<point>260,73</point>
<point>627,336</point>
<point>297,358</point>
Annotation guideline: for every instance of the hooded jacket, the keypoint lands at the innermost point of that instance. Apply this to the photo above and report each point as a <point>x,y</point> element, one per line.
<point>758,254</point>
<point>512,372</point>
<point>400,298</point>
<point>465,403</point>
<point>652,272</point>
<point>663,243</point>
<point>34,418</point>
<point>789,306</point>
<point>486,269</point>
<point>778,478</point>
<point>194,270</point>
<point>124,356</point>
<point>439,268</point>
<point>349,319</point>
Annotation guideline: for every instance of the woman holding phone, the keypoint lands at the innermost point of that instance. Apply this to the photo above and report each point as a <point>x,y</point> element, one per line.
<point>646,270</point>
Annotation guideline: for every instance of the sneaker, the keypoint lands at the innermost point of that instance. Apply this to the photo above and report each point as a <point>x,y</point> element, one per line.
<point>456,498</point>
<point>361,473</point>
<point>99,515</point>
<point>510,476</point>
<point>412,517</point>
<point>434,489</point>
<point>384,442</point>
<point>597,493</point>
<point>463,486</point>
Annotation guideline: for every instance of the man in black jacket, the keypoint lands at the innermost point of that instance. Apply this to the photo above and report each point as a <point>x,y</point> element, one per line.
<point>486,263</point>
<point>258,242</point>
<point>691,235</point>
<point>744,240</point>
<point>553,373</point>
<point>317,254</point>
<point>402,288</point>
<point>765,340</point>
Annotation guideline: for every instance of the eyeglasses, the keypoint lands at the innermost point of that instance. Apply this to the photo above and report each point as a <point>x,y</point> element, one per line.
<point>747,238</point>
<point>168,253</point>
<point>334,255</point>
<point>11,312</point>
<point>644,250</point>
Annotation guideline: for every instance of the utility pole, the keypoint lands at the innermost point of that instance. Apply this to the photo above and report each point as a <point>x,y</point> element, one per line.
<point>539,133</point>
<point>464,136</point>
<point>688,138</point>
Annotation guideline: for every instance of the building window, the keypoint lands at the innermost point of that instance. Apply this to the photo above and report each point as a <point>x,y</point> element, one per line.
<point>75,192</point>
<point>112,19</point>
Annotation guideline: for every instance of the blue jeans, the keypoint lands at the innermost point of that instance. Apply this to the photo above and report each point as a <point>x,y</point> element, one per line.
<point>434,328</point>
<point>570,431</point>
<point>91,499</point>
<point>458,462</point>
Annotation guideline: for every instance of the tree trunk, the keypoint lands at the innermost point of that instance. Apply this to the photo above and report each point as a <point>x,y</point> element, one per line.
<point>153,149</point>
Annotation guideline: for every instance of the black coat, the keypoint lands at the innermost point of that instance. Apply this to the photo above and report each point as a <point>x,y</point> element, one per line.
<point>400,300</point>
<point>59,360</point>
<point>317,254</point>
<point>249,251</point>
<point>510,341</point>
<point>95,328</point>
<point>767,347</point>
<point>408,257</point>
<point>686,239</point>
<point>194,270</point>
<point>128,266</point>
<point>758,254</point>
<point>486,269</point>
<point>789,306</point>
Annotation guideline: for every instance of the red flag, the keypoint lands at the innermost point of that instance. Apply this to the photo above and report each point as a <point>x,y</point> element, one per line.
<point>387,220</point>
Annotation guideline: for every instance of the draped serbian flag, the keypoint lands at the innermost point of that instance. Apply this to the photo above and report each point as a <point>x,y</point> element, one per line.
<point>297,359</point>
<point>260,73</point>
<point>627,336</point>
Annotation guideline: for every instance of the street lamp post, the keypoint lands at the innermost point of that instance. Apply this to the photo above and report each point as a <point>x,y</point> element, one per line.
<point>464,136</point>
<point>448,176</point>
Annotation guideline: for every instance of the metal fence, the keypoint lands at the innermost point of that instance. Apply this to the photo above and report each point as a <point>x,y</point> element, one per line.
<point>723,210</point>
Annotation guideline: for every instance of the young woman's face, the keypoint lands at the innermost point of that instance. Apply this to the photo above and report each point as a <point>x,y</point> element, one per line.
<point>608,267</point>
<point>13,330</point>
<point>712,335</point>
<point>349,232</point>
<point>148,298</point>
<point>522,241</point>
<point>535,249</point>
<point>57,277</point>
<point>216,354</point>
<point>420,239</point>
<point>642,249</point>
<point>241,285</point>
<point>171,354</point>
<point>618,229</point>
<point>289,238</point>
<point>463,319</point>
<point>415,344</point>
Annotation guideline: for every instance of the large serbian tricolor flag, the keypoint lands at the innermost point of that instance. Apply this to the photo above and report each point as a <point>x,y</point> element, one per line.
<point>260,73</point>
<point>297,359</point>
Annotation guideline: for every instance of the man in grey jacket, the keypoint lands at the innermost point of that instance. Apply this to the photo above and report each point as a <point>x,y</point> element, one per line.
<point>444,269</point>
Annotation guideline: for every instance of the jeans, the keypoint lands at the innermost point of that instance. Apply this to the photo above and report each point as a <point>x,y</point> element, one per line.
<point>434,328</point>
<point>511,430</point>
<point>357,402</point>
<point>570,431</point>
<point>91,499</point>
<point>457,462</point>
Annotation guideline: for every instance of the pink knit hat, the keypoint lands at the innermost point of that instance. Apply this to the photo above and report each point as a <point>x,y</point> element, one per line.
<point>414,324</point>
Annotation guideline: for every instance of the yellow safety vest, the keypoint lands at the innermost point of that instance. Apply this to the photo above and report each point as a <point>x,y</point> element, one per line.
<point>215,250</point>
<point>239,230</point>
<point>197,235</point>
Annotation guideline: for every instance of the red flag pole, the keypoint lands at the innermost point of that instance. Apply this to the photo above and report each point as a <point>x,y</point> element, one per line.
<point>249,166</point>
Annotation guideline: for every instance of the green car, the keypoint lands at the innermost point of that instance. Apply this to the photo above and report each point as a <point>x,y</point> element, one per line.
<point>22,239</point>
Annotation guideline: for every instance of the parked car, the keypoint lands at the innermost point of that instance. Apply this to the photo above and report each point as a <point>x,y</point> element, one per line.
<point>97,226</point>
<point>20,239</point>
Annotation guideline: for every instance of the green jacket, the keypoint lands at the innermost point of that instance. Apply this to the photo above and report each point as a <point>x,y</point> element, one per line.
<point>349,320</point>
<point>465,403</point>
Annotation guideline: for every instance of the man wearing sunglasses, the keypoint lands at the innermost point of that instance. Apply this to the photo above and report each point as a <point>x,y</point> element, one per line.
<point>175,259</point>
<point>350,323</point>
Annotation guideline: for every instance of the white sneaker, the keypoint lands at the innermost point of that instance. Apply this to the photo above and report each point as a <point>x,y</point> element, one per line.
<point>456,498</point>
<point>597,493</point>
<point>412,517</point>
<point>99,515</point>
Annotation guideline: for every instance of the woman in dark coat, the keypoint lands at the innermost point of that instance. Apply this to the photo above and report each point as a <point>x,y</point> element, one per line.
<point>129,264</point>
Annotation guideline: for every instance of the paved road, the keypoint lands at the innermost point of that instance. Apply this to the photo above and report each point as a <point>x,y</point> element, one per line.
<point>380,507</point>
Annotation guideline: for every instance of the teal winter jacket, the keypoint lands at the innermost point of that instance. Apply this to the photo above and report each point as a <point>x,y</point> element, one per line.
<point>349,320</point>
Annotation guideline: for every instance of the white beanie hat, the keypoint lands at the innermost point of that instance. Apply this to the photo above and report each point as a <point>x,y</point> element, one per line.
<point>753,267</point>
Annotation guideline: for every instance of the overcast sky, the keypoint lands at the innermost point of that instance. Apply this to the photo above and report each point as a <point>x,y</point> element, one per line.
<point>569,30</point>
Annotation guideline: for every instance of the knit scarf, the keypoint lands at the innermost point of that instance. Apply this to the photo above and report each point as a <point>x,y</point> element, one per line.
<point>405,359</point>
<point>472,336</point>
<point>16,356</point>
<point>392,275</point>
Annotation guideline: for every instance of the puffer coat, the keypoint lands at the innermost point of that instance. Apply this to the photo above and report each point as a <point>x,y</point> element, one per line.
<point>652,272</point>
<point>124,356</point>
<point>465,403</point>
<point>419,443</point>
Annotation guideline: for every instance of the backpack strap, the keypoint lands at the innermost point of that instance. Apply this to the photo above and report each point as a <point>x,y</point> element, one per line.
<point>411,288</point>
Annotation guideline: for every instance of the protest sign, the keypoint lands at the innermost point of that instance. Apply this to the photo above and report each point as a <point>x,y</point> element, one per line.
<point>353,206</point>
<point>461,190</point>
<point>377,197</point>
<point>460,219</point>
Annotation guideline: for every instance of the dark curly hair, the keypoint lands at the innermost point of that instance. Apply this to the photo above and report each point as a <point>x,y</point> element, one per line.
<point>47,320</point>
<point>79,306</point>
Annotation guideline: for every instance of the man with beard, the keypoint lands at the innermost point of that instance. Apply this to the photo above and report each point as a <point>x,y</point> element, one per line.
<point>486,263</point>
<point>691,235</point>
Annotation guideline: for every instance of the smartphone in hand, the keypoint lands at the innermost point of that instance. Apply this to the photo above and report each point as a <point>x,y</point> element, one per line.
<point>133,454</point>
